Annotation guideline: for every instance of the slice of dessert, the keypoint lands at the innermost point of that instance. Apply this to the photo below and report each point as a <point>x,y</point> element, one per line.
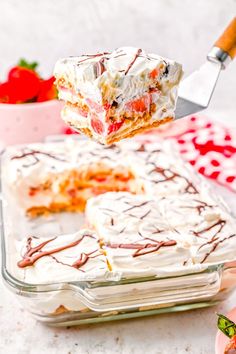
<point>134,234</point>
<point>172,231</point>
<point>71,257</point>
<point>111,96</point>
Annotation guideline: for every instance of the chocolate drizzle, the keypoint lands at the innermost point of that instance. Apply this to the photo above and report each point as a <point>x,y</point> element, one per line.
<point>122,230</point>
<point>141,148</point>
<point>214,246</point>
<point>166,71</point>
<point>84,257</point>
<point>139,51</point>
<point>221,223</point>
<point>146,214</point>
<point>100,67</point>
<point>169,175</point>
<point>199,207</point>
<point>92,56</point>
<point>108,209</point>
<point>142,249</point>
<point>214,241</point>
<point>136,206</point>
<point>34,154</point>
<point>32,254</point>
<point>157,230</point>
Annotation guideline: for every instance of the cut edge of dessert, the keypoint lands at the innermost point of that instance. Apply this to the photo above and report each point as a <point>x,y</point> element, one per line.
<point>75,187</point>
<point>112,96</point>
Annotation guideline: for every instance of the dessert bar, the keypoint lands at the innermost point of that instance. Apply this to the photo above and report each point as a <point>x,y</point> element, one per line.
<point>115,95</point>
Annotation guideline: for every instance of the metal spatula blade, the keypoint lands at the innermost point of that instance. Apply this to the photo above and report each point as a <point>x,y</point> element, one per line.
<point>196,90</point>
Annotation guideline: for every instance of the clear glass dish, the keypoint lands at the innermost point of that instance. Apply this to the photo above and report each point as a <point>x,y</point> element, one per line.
<point>75,303</point>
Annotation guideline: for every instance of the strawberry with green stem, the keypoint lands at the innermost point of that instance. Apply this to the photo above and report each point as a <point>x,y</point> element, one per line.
<point>24,80</point>
<point>24,85</point>
<point>228,327</point>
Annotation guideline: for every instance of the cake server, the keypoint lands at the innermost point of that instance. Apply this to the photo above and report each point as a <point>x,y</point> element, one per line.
<point>196,90</point>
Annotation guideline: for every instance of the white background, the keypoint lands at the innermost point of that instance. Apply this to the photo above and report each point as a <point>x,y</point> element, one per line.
<point>45,30</point>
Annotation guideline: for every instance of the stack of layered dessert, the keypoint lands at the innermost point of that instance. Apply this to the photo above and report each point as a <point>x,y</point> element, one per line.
<point>111,96</point>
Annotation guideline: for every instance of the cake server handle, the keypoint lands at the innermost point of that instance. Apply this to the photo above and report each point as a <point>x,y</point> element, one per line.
<point>224,49</point>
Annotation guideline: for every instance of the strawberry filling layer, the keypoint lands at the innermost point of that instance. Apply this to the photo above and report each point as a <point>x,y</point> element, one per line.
<point>77,187</point>
<point>99,114</point>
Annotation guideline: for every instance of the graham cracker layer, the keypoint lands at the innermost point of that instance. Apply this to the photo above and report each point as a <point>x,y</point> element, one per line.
<point>126,133</point>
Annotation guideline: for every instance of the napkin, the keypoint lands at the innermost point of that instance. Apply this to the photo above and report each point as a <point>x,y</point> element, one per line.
<point>207,145</point>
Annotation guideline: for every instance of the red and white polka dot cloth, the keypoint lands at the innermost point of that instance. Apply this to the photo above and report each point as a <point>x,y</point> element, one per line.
<point>208,146</point>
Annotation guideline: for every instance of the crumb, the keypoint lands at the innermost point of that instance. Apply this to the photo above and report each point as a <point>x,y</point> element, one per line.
<point>76,344</point>
<point>117,339</point>
<point>55,335</point>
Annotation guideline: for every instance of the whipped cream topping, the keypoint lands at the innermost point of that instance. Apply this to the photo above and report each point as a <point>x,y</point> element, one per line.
<point>140,232</point>
<point>125,71</point>
<point>121,86</point>
<point>135,234</point>
<point>72,257</point>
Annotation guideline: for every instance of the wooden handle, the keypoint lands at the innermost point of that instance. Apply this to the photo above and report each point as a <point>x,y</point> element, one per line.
<point>227,41</point>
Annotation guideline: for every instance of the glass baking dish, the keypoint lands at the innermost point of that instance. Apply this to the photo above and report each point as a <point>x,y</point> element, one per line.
<point>75,303</point>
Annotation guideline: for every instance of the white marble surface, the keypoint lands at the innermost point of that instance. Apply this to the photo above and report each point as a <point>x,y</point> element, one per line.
<point>48,29</point>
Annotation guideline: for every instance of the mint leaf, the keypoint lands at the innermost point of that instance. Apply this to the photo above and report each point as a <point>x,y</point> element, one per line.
<point>25,64</point>
<point>226,326</point>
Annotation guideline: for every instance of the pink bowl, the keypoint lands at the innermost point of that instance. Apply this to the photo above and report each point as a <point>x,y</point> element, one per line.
<point>29,122</point>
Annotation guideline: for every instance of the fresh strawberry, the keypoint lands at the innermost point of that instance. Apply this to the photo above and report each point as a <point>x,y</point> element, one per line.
<point>72,192</point>
<point>100,178</point>
<point>26,64</point>
<point>26,83</point>
<point>97,125</point>
<point>47,90</point>
<point>107,106</point>
<point>33,191</point>
<point>68,131</point>
<point>115,126</point>
<point>7,93</point>
<point>124,178</point>
<point>140,105</point>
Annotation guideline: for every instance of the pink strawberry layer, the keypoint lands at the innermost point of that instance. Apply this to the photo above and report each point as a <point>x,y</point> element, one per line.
<point>140,105</point>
